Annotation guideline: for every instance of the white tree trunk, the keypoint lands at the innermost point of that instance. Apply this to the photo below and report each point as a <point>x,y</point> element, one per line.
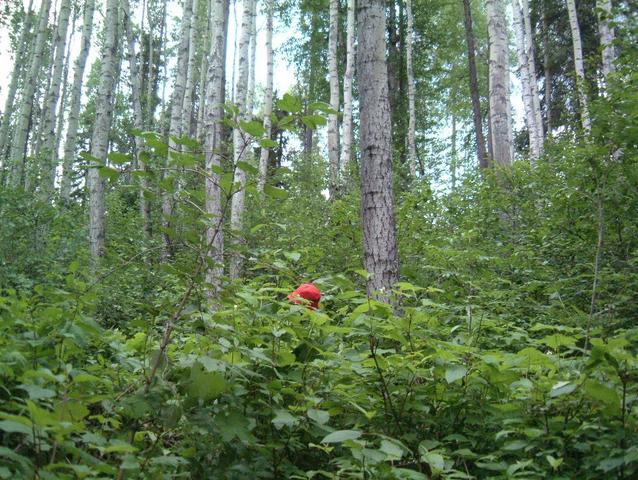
<point>579,66</point>
<point>265,152</point>
<point>76,100</point>
<point>214,114</point>
<point>138,117</point>
<point>64,96</point>
<point>346,139</point>
<point>240,139</point>
<point>18,147</point>
<point>175,129</point>
<point>189,89</point>
<point>533,79</point>
<point>377,201</point>
<point>48,128</point>
<point>16,75</point>
<point>499,90</point>
<point>607,37</point>
<point>412,160</point>
<point>203,72</point>
<point>521,48</point>
<point>333,120</point>
<point>101,129</point>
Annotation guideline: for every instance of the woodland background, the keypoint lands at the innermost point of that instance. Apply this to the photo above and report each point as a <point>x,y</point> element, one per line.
<point>480,275</point>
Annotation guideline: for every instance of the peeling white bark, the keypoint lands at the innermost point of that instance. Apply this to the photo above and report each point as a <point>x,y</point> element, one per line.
<point>579,66</point>
<point>346,138</point>
<point>265,152</point>
<point>333,120</point>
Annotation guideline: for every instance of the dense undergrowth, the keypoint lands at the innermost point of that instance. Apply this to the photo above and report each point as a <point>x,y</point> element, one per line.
<point>512,352</point>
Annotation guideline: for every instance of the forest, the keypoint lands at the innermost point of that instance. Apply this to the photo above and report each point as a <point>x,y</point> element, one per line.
<point>318,239</point>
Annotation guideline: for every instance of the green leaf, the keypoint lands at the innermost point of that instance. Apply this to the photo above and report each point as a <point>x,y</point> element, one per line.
<point>108,173</point>
<point>454,373</point>
<point>558,340</point>
<point>322,107</point>
<point>434,460</point>
<point>289,104</point>
<point>292,256</point>
<point>252,128</point>
<point>313,121</point>
<point>36,393</point>
<point>247,167</point>
<point>268,143</point>
<point>11,426</point>
<point>515,445</point>
<point>392,449</point>
<point>275,192</point>
<point>319,416</point>
<point>283,418</point>
<point>341,436</point>
<point>206,385</point>
<point>562,388</point>
<point>602,393</point>
<point>118,158</point>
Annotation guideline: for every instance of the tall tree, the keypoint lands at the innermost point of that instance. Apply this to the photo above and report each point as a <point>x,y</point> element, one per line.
<point>268,94</point>
<point>19,145</point>
<point>214,114</point>
<point>539,134</point>
<point>579,66</point>
<point>76,100</point>
<point>333,121</point>
<point>346,139</point>
<point>499,91</point>
<point>240,139</point>
<point>48,129</point>
<point>101,130</point>
<point>607,37</point>
<point>377,201</point>
<point>16,76</point>
<point>189,88</point>
<point>481,151</point>
<point>412,160</point>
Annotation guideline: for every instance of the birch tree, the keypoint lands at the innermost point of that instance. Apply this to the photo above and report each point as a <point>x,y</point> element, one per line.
<point>481,152</point>
<point>16,76</point>
<point>176,122</point>
<point>138,117</point>
<point>268,94</point>
<point>48,129</point>
<point>19,145</point>
<point>499,91</point>
<point>539,134</point>
<point>412,160</point>
<point>333,122</point>
<point>76,100</point>
<point>240,140</point>
<point>377,202</point>
<point>579,66</point>
<point>189,88</point>
<point>346,139</point>
<point>607,37</point>
<point>214,114</point>
<point>101,129</point>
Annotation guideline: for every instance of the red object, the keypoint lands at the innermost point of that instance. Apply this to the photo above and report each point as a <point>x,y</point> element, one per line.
<point>307,291</point>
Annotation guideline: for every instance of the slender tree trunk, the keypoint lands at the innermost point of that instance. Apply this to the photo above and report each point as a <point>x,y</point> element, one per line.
<point>530,119</point>
<point>481,152</point>
<point>189,90</point>
<point>175,130</point>
<point>265,152</point>
<point>533,78</point>
<point>48,128</point>
<point>377,202</point>
<point>138,117</point>
<point>394,57</point>
<point>16,76</point>
<point>214,114</point>
<point>76,101</point>
<point>240,140</point>
<point>62,107</point>
<point>579,66</point>
<point>19,145</point>
<point>453,154</point>
<point>547,66</point>
<point>346,139</point>
<point>333,121</point>
<point>412,160</point>
<point>607,36</point>
<point>203,72</point>
<point>500,111</point>
<point>101,129</point>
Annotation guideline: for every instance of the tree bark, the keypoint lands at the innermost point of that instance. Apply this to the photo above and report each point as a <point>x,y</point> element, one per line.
<point>241,142</point>
<point>481,152</point>
<point>412,160</point>
<point>214,114</point>
<point>101,129</point>
<point>579,66</point>
<point>607,36</point>
<point>76,100</point>
<point>268,95</point>
<point>346,139</point>
<point>48,128</point>
<point>189,89</point>
<point>547,67</point>
<point>16,76</point>
<point>333,120</point>
<point>533,79</point>
<point>377,202</point>
<point>500,111</point>
<point>19,144</point>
